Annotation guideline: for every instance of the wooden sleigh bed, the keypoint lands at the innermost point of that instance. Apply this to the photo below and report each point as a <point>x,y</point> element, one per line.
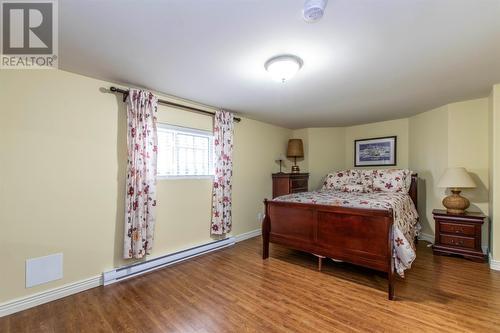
<point>359,236</point>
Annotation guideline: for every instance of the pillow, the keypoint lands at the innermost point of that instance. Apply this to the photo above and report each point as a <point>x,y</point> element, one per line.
<point>366,179</point>
<point>391,180</point>
<point>356,188</point>
<point>408,180</point>
<point>334,181</point>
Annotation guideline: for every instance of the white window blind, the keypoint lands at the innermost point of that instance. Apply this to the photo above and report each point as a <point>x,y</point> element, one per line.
<point>184,152</point>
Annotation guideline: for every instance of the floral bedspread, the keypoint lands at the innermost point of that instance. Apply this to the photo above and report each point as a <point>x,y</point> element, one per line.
<point>406,225</point>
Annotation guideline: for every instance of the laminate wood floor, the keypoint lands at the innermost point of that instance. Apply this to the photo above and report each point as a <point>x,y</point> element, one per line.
<point>233,290</point>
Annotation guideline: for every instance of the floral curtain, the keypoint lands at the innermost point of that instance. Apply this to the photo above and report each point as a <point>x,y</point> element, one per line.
<point>140,198</point>
<point>221,193</point>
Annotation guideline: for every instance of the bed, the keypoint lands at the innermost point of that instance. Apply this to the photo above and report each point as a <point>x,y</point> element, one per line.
<point>352,220</point>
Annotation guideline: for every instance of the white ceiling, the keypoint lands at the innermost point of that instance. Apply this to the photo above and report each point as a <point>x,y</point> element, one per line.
<point>366,60</point>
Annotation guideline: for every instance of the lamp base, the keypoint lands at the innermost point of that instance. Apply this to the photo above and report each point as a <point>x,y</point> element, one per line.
<point>295,169</point>
<point>455,203</point>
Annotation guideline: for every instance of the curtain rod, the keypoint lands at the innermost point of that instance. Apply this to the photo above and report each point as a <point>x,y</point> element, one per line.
<point>161,101</point>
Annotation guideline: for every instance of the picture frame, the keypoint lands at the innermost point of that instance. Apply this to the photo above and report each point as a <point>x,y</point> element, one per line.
<point>375,151</point>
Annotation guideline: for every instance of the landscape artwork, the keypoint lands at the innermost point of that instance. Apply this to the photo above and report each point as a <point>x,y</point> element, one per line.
<point>375,151</point>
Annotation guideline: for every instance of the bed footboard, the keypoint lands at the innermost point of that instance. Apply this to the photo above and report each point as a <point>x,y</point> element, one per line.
<point>359,236</point>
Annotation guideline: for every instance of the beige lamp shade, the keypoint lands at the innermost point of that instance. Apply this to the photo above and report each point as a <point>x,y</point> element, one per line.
<point>295,148</point>
<point>456,178</point>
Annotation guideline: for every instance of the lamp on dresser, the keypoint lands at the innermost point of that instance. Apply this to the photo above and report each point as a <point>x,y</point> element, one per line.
<point>281,159</point>
<point>295,149</point>
<point>456,179</point>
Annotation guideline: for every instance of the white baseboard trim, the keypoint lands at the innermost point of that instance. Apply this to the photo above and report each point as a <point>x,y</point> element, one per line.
<point>494,264</point>
<point>248,235</point>
<point>30,301</point>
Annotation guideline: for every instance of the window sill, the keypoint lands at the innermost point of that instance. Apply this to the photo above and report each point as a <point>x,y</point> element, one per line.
<point>184,177</point>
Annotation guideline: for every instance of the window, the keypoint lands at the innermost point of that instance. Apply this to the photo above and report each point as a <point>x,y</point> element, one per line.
<point>184,152</point>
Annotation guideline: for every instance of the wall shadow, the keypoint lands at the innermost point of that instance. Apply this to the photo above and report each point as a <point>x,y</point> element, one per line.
<point>479,194</point>
<point>422,202</point>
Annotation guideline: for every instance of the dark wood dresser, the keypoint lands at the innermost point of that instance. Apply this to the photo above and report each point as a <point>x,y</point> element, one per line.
<point>286,183</point>
<point>458,234</point>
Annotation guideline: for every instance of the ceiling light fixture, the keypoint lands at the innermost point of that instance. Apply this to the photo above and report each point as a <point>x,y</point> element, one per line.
<point>283,67</point>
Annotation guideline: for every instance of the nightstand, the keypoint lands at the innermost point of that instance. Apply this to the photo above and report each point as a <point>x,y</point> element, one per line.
<point>286,183</point>
<point>458,234</point>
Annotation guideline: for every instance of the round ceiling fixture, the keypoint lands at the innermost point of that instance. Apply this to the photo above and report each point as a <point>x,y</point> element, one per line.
<point>314,10</point>
<point>283,67</point>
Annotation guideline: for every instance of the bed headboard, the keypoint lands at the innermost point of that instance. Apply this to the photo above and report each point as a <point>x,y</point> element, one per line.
<point>413,189</point>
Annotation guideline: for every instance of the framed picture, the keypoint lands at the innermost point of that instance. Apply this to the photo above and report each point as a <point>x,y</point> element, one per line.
<point>375,151</point>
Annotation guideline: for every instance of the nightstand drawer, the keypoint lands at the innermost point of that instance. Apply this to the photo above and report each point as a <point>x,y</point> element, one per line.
<point>298,183</point>
<point>299,189</point>
<point>459,234</point>
<point>456,228</point>
<point>468,242</point>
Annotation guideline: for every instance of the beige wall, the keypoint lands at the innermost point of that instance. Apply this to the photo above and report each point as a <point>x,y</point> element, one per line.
<point>256,147</point>
<point>494,164</point>
<point>453,135</point>
<point>323,150</point>
<point>62,167</point>
<point>326,152</point>
<point>468,147</point>
<point>429,158</point>
<point>332,148</point>
<point>491,187</point>
<point>398,127</point>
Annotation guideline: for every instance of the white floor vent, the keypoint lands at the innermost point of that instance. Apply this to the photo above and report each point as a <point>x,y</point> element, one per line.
<point>126,272</point>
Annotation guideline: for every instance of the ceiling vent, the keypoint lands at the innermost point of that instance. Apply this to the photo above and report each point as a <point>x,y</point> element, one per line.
<point>314,10</point>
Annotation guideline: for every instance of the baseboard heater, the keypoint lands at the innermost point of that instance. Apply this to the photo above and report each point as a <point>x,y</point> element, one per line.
<point>127,272</point>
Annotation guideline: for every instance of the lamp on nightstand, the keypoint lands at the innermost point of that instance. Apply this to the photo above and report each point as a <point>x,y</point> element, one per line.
<point>281,159</point>
<point>456,179</point>
<point>295,149</point>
